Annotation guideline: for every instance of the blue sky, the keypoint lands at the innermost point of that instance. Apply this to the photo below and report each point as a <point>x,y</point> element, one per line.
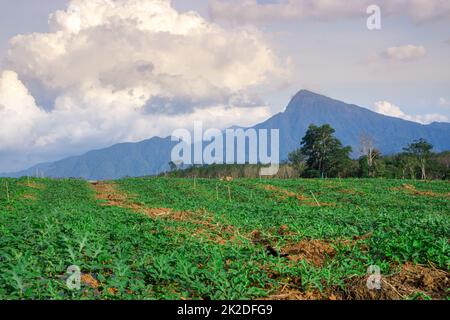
<point>230,62</point>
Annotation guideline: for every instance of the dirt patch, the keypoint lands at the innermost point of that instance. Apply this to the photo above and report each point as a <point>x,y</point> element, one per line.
<point>313,251</point>
<point>204,226</point>
<point>114,198</point>
<point>352,192</point>
<point>283,194</point>
<point>29,197</point>
<point>155,212</point>
<point>258,239</point>
<point>413,191</point>
<point>108,192</point>
<point>215,231</point>
<point>203,221</point>
<point>90,281</point>
<point>112,291</point>
<point>280,191</point>
<point>409,280</point>
<point>32,185</point>
<point>282,231</point>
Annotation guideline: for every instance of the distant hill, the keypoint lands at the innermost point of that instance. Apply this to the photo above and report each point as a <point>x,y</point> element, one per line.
<point>152,156</point>
<point>121,160</point>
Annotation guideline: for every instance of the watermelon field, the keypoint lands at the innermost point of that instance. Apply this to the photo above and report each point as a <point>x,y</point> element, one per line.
<point>183,239</point>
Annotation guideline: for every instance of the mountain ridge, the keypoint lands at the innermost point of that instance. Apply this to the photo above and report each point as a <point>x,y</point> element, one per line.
<point>151,156</point>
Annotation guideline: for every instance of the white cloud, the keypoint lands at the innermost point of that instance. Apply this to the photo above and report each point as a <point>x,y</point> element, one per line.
<point>252,11</point>
<point>19,115</point>
<point>126,70</point>
<point>404,53</point>
<point>389,109</point>
<point>443,102</point>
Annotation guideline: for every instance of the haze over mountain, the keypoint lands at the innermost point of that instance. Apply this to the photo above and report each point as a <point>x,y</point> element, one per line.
<point>152,156</point>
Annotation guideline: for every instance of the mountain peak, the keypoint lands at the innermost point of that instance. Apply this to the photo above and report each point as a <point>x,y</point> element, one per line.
<point>306,98</point>
<point>305,92</point>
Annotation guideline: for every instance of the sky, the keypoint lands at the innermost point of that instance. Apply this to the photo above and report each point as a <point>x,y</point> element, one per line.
<point>77,75</point>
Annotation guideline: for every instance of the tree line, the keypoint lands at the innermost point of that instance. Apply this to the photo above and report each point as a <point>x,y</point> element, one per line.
<point>322,155</point>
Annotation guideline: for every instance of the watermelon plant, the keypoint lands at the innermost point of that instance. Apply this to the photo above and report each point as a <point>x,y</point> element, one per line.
<point>168,238</point>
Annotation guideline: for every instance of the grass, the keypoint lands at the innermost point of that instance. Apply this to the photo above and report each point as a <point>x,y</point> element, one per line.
<point>212,239</point>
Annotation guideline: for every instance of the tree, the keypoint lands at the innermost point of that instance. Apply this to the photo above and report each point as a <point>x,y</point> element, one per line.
<point>370,155</point>
<point>297,161</point>
<point>324,152</point>
<point>421,151</point>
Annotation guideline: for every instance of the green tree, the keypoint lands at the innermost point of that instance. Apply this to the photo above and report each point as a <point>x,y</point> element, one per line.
<point>324,152</point>
<point>297,161</point>
<point>421,151</point>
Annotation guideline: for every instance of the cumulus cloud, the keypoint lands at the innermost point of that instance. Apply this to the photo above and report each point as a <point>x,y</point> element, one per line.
<point>389,109</point>
<point>253,11</point>
<point>19,115</point>
<point>125,70</point>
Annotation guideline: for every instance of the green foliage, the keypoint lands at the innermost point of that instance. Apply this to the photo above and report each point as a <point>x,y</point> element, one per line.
<point>48,225</point>
<point>421,151</point>
<point>325,156</point>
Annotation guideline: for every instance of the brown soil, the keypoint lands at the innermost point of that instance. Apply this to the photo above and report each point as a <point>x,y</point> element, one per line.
<point>203,220</point>
<point>109,193</point>
<point>213,230</point>
<point>409,280</point>
<point>89,281</point>
<point>155,212</point>
<point>112,291</point>
<point>352,192</point>
<point>313,251</point>
<point>283,194</point>
<point>114,198</point>
<point>283,231</point>
<point>413,191</point>
<point>279,190</point>
<point>32,185</point>
<point>29,197</point>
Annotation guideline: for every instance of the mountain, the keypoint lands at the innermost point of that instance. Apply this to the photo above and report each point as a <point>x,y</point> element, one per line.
<point>350,121</point>
<point>121,160</point>
<point>390,134</point>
